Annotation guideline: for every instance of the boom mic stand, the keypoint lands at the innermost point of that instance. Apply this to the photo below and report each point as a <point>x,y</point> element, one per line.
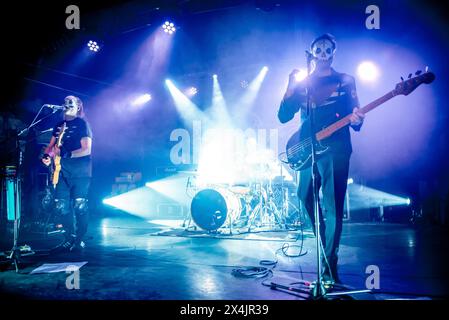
<point>14,176</point>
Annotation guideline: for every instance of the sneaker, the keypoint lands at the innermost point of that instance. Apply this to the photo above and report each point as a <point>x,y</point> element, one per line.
<point>63,246</point>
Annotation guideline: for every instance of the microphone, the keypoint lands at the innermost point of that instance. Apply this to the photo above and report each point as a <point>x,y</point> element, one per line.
<point>55,107</point>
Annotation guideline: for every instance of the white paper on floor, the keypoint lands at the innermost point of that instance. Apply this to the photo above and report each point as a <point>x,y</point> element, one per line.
<point>59,267</point>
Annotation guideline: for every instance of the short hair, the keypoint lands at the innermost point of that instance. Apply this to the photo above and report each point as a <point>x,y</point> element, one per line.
<point>326,36</point>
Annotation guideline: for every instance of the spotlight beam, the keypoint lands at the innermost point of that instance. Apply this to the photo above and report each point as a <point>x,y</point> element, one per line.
<point>173,187</point>
<point>363,197</point>
<point>218,110</point>
<point>247,100</point>
<point>188,111</point>
<point>138,202</point>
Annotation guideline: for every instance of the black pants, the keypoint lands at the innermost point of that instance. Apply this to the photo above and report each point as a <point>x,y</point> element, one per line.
<point>71,197</point>
<point>332,179</point>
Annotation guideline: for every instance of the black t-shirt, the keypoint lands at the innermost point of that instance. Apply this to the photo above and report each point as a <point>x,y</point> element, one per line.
<point>334,97</point>
<point>76,129</point>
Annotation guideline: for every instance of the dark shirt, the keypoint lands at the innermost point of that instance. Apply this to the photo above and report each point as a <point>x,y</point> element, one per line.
<point>76,129</point>
<point>332,97</point>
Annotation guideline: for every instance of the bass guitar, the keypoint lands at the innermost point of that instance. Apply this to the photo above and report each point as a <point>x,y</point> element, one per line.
<point>299,146</point>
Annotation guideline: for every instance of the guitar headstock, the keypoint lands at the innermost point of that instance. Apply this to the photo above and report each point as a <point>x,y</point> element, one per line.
<point>406,87</point>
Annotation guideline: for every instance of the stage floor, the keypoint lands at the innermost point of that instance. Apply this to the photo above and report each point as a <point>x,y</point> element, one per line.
<point>131,258</point>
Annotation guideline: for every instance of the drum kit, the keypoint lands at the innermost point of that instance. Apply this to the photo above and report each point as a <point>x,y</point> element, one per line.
<point>260,204</point>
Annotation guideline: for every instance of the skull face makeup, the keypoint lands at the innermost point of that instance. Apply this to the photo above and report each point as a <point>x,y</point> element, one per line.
<point>72,106</point>
<point>323,49</point>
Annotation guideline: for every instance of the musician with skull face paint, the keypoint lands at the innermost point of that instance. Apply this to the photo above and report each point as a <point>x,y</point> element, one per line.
<point>71,191</point>
<point>332,96</point>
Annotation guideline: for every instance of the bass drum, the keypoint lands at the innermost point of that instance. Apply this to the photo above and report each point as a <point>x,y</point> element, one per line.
<point>211,207</point>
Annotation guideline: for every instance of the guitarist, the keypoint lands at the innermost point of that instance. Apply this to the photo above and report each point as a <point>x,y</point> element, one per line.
<point>333,96</point>
<point>71,190</point>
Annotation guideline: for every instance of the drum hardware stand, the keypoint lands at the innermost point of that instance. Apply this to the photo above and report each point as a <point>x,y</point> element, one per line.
<point>265,207</point>
<point>188,217</point>
<point>274,210</point>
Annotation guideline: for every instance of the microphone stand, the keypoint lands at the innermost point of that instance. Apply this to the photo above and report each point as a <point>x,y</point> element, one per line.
<point>318,290</point>
<point>13,177</point>
<point>314,291</point>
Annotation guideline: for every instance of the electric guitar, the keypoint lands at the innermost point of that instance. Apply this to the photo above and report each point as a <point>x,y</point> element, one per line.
<point>299,146</point>
<point>57,159</point>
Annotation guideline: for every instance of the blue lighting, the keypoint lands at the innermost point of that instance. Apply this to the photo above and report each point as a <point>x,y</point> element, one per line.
<point>93,46</point>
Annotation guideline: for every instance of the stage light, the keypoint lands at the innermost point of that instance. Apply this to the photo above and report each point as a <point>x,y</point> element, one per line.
<point>301,75</point>
<point>265,69</point>
<point>214,75</point>
<point>142,99</point>
<point>363,197</point>
<point>93,46</point>
<point>368,71</point>
<point>191,91</point>
<point>187,109</point>
<point>169,27</point>
<point>350,181</point>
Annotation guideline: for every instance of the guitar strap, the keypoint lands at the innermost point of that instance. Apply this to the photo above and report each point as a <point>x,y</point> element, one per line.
<point>339,88</point>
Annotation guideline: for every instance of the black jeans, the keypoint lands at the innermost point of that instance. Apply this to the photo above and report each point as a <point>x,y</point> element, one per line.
<point>71,197</point>
<point>332,179</point>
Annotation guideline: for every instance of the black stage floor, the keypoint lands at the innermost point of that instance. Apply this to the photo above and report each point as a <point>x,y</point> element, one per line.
<point>131,258</point>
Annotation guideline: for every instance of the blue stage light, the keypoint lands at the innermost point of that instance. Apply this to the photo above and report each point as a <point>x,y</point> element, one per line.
<point>301,75</point>
<point>93,46</point>
<point>191,91</point>
<point>169,27</point>
<point>142,99</point>
<point>368,71</point>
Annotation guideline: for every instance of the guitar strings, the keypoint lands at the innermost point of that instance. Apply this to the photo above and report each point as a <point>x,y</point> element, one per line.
<point>302,144</point>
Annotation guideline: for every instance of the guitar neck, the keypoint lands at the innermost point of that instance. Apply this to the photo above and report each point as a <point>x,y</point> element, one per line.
<point>328,131</point>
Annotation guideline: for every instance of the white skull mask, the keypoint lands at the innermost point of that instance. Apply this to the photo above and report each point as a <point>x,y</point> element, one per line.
<point>323,49</point>
<point>70,102</point>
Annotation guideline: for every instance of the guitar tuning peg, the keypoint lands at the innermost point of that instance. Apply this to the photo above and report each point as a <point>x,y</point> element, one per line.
<point>402,78</point>
<point>409,75</point>
<point>417,73</point>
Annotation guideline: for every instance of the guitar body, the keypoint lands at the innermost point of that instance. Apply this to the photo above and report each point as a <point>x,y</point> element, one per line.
<point>299,150</point>
<point>57,159</point>
<point>56,171</point>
